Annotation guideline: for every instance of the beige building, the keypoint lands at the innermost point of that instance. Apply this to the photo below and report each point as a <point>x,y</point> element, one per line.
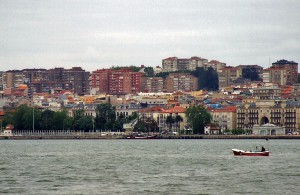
<point>181,82</point>
<point>224,117</point>
<point>170,64</point>
<point>195,62</point>
<point>282,72</point>
<point>227,75</point>
<point>13,78</point>
<point>278,112</point>
<point>267,93</point>
<point>153,84</point>
<point>216,65</point>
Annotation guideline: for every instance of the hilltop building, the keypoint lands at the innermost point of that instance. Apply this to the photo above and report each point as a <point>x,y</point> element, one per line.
<point>116,82</point>
<point>282,72</point>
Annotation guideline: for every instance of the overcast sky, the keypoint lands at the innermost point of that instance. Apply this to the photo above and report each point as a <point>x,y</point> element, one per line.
<point>97,34</point>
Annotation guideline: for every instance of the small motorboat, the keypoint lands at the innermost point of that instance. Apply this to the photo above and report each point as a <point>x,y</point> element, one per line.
<point>142,137</point>
<point>238,152</point>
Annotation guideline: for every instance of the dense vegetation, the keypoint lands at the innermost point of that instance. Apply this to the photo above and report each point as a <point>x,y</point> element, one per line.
<point>207,79</point>
<point>250,73</point>
<point>23,116</point>
<point>132,68</point>
<point>197,117</point>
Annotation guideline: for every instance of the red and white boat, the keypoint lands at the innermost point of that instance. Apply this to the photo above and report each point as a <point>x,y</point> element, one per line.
<point>238,152</point>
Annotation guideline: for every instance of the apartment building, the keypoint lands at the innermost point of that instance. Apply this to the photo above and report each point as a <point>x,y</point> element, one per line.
<point>75,79</point>
<point>2,83</point>
<point>215,64</point>
<point>13,78</point>
<point>153,84</point>
<point>181,82</point>
<point>195,62</point>
<point>172,64</point>
<point>267,93</point>
<point>282,72</point>
<point>291,70</point>
<point>117,82</point>
<point>227,76</point>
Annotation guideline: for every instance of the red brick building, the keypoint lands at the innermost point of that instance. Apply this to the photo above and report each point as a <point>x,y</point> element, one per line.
<point>122,81</point>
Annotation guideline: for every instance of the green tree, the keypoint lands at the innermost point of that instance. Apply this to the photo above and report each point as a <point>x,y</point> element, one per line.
<point>8,118</point>
<point>149,72</point>
<point>84,123</point>
<point>46,122</point>
<point>105,116</point>
<point>32,117</point>
<point>151,125</point>
<point>250,73</point>
<point>19,116</point>
<point>197,117</point>
<point>140,126</point>
<point>61,120</point>
<point>237,131</point>
<point>169,121</point>
<point>162,74</point>
<point>207,79</point>
<point>178,119</point>
<point>78,114</point>
<point>211,79</point>
<point>132,68</point>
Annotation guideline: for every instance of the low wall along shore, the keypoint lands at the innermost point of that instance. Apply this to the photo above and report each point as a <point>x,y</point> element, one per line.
<point>98,136</point>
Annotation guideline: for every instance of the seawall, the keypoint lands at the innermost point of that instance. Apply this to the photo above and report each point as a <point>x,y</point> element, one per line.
<point>49,137</point>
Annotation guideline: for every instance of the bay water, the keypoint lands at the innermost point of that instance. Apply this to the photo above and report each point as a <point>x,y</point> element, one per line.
<point>147,167</point>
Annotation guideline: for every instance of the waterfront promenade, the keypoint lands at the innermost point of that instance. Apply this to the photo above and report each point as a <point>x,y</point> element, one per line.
<point>119,136</point>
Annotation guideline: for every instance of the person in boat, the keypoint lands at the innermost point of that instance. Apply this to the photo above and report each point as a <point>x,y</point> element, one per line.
<point>263,149</point>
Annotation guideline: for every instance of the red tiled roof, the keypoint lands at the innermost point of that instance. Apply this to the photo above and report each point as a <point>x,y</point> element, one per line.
<point>175,109</point>
<point>152,109</point>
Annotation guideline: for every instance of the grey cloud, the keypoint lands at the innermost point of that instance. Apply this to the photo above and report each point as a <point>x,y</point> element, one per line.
<point>95,34</point>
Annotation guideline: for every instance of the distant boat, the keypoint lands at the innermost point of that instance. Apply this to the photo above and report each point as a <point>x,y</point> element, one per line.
<point>142,137</point>
<point>238,152</point>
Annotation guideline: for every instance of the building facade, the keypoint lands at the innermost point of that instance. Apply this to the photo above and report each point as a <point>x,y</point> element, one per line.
<point>153,84</point>
<point>224,117</point>
<point>116,82</point>
<point>282,113</point>
<point>172,64</point>
<point>283,72</point>
<point>181,82</point>
<point>227,76</point>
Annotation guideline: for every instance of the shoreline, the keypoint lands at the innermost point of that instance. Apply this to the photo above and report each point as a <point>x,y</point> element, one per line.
<point>62,137</point>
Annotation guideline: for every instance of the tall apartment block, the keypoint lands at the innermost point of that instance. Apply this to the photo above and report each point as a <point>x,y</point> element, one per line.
<point>153,84</point>
<point>2,74</point>
<point>172,64</point>
<point>181,82</point>
<point>227,75</point>
<point>75,79</point>
<point>282,72</point>
<point>215,64</point>
<point>118,82</point>
<point>13,78</point>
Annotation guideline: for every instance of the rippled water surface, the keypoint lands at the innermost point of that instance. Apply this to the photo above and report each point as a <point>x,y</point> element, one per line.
<point>147,167</point>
